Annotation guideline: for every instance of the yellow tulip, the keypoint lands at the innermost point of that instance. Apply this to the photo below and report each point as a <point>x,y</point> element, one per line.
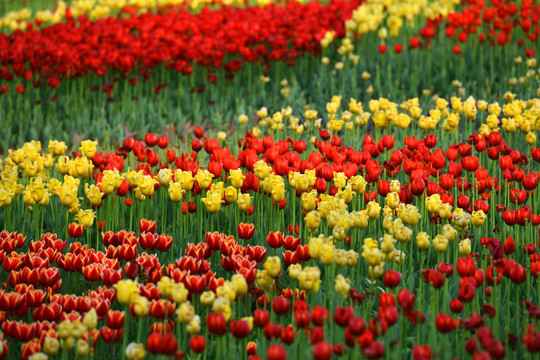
<point>440,243</point>
<point>343,286</point>
<point>403,234</point>
<point>88,148</point>
<point>294,271</point>
<point>146,185</point>
<point>68,195</point>
<point>445,211</point>
<point>272,266</point>
<point>261,169</point>
<point>392,200</point>
<point>278,192</point>
<point>212,201</point>
<point>179,293</point>
<point>135,351</point>
<point>86,218</point>
<point>185,312</point>
<point>236,178</point>
<point>194,326</point>
<point>433,203</point>
<point>327,253</point>
<point>312,220</point>
<point>373,210</point>
<point>56,148</point>
<point>207,298</point>
<point>465,247</point>
<point>244,202</point>
<point>315,247</point>
<point>90,319</point>
<point>231,194</point>
<point>204,178</point>
<point>310,279</point>
<point>165,285</point>
<point>141,305</point>
<point>175,191</point>
<point>240,283</point>
<point>309,200</point>
<point>478,218</point>
<point>339,180</point>
<point>111,181</point>
<point>93,194</point>
<point>127,292</point>
<point>164,177</point>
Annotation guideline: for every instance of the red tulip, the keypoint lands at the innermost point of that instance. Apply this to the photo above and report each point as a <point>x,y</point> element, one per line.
<point>343,315</point>
<point>199,132</point>
<point>509,245</point>
<point>239,329</point>
<point>109,335</point>
<point>197,343</point>
<point>276,352</point>
<point>151,139</point>
<point>115,319</point>
<point>414,43</point>
<point>196,145</point>
<point>287,335</point>
<point>302,318</point>
<point>162,344</point>
<point>261,318</point>
<point>444,323</point>
<point>281,305</point>
<point>245,231</point>
<point>210,145</point>
<point>447,181</point>
<point>421,352</point>
<point>216,324</point>
<point>272,331</point>
<point>466,266</point>
<point>163,142</point>
<point>391,278</point>
<point>406,300</point>
<point>319,315</point>
<point>322,350</point>
<point>456,306</point>
<point>274,239</point>
<point>75,230</point>
<point>148,226</point>
<point>374,351</point>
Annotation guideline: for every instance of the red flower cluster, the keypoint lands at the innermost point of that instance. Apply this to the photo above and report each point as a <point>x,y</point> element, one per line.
<point>177,40</point>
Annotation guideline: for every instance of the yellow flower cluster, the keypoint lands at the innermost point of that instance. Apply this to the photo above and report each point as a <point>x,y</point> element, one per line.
<point>16,20</point>
<point>323,248</point>
<point>271,270</point>
<point>529,71</point>
<point>309,277</point>
<point>72,334</point>
<point>96,9</point>
<point>389,16</point>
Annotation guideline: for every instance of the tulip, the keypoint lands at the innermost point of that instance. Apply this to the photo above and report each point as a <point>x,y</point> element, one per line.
<point>161,344</point>
<point>216,323</point>
<point>281,305</point>
<point>245,231</point>
<point>343,315</point>
<point>239,329</point>
<point>322,350</point>
<point>75,230</point>
<point>391,278</point>
<point>126,291</point>
<point>274,239</point>
<point>276,352</point>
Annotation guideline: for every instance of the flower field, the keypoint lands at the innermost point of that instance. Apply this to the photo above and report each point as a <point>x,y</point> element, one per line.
<point>269,180</point>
